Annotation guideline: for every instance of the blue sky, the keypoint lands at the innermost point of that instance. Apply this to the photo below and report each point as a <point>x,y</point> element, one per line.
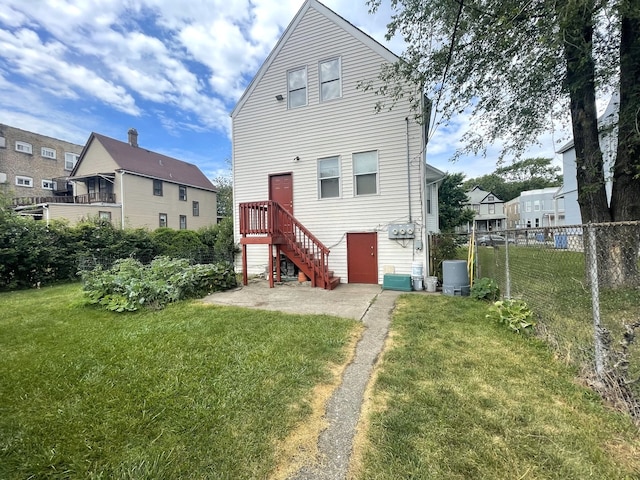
<point>171,69</point>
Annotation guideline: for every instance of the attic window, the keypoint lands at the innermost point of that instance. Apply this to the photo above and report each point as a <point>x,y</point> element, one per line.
<point>491,198</point>
<point>48,153</point>
<point>330,87</point>
<point>23,147</point>
<point>297,87</point>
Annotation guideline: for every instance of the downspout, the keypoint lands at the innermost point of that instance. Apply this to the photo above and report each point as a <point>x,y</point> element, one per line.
<point>408,169</point>
<point>45,207</point>
<point>122,200</point>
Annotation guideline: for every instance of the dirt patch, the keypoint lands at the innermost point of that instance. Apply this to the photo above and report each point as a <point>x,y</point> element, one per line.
<point>300,448</point>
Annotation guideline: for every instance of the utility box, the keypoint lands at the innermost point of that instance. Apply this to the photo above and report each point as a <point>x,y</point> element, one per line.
<point>402,231</point>
<point>396,281</point>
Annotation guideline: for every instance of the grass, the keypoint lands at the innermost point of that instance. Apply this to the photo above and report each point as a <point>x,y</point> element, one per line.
<point>191,391</point>
<point>460,397</point>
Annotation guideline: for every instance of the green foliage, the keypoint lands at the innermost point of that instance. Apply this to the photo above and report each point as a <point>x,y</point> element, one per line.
<point>178,243</point>
<point>485,289</point>
<point>224,197</point>
<point>444,246</point>
<point>515,314</point>
<point>452,197</point>
<point>129,285</point>
<point>219,239</point>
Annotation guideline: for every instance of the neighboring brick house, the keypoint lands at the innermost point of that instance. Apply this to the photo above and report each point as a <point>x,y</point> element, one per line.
<point>34,165</point>
<point>131,187</point>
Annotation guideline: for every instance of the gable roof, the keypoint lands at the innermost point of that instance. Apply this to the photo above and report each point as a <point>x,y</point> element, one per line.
<point>139,161</point>
<point>478,195</point>
<point>332,16</point>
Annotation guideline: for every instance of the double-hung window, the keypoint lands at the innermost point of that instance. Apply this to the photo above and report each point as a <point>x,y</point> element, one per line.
<point>182,193</point>
<point>297,87</point>
<point>365,173</point>
<point>163,220</point>
<point>70,160</point>
<point>330,85</point>
<point>329,177</point>
<point>183,222</point>
<point>157,188</point>
<point>196,209</point>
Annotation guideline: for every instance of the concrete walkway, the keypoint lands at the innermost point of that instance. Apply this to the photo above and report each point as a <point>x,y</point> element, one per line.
<point>368,303</point>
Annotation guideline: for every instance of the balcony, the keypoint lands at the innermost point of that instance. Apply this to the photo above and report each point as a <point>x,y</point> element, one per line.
<point>87,198</point>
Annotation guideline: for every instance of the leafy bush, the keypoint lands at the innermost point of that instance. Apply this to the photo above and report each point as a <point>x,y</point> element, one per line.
<point>178,243</point>
<point>130,285</point>
<point>515,314</point>
<point>485,289</point>
<point>444,247</point>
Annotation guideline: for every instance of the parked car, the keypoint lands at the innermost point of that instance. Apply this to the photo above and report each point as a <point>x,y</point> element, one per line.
<point>492,239</point>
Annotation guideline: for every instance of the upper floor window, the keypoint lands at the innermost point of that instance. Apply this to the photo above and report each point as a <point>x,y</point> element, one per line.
<point>70,160</point>
<point>297,87</point>
<point>365,172</point>
<point>536,205</point>
<point>491,198</point>
<point>527,206</point>
<point>492,208</point>
<point>24,181</point>
<point>48,153</point>
<point>157,188</point>
<point>23,147</point>
<point>196,209</point>
<point>183,222</point>
<point>48,185</point>
<point>329,177</point>
<point>163,220</point>
<point>182,193</point>
<point>330,85</point>
<point>476,207</point>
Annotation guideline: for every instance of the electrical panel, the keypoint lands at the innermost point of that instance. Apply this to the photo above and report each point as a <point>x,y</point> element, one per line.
<point>402,231</point>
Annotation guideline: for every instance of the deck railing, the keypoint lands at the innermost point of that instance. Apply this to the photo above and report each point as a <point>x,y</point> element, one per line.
<point>86,198</point>
<point>270,218</point>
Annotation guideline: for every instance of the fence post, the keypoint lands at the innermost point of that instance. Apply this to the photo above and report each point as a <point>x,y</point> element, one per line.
<point>592,266</point>
<point>507,293</point>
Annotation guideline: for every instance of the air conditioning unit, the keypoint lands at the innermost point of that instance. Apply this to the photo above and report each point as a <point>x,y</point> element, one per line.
<point>402,231</point>
<point>3,178</point>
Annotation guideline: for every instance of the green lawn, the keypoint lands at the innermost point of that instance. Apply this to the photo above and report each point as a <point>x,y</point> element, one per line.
<point>191,391</point>
<point>461,397</point>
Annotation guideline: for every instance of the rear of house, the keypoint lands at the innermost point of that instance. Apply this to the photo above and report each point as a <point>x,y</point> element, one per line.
<point>307,135</point>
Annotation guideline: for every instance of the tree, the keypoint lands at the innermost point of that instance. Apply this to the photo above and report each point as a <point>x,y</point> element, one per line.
<point>224,197</point>
<point>509,181</point>
<point>515,63</point>
<point>452,199</point>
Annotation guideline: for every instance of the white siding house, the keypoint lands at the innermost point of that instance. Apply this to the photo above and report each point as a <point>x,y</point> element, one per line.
<point>307,136</point>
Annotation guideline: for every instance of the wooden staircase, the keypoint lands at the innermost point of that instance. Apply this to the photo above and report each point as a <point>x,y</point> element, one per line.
<point>268,223</point>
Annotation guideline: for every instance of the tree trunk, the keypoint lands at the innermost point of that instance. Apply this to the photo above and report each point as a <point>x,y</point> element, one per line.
<point>576,21</point>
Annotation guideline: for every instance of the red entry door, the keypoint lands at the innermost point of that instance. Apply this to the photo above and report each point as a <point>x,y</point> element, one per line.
<point>281,191</point>
<point>362,258</point>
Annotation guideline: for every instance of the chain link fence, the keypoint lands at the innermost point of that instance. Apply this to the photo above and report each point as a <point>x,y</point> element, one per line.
<point>582,283</point>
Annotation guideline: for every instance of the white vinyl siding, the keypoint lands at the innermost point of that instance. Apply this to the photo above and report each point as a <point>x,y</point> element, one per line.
<point>329,177</point>
<point>330,85</point>
<point>267,137</point>
<point>297,87</point>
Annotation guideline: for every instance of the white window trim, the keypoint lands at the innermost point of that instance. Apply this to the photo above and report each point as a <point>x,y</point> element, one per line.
<point>24,147</point>
<point>320,78</point>
<point>48,184</point>
<point>47,152</point>
<point>355,175</point>
<point>70,157</point>
<point>306,87</point>
<point>29,181</point>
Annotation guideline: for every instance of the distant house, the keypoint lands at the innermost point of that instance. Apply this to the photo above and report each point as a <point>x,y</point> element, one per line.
<point>538,208</point>
<point>512,211</point>
<point>489,211</point>
<point>567,195</point>
<point>131,187</point>
<point>319,178</point>
<point>35,165</point>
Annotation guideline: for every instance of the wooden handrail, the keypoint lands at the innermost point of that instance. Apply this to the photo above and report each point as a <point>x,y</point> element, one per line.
<point>270,218</point>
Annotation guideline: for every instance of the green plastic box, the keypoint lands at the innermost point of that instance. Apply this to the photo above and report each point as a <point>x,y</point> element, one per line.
<point>396,281</point>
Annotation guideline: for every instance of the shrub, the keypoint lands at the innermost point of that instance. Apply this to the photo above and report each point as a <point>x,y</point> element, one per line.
<point>130,285</point>
<point>485,289</point>
<point>515,314</point>
<point>444,247</point>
